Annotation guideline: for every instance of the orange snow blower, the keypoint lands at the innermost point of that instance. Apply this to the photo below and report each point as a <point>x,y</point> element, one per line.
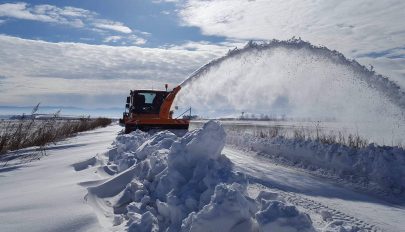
<point>150,109</point>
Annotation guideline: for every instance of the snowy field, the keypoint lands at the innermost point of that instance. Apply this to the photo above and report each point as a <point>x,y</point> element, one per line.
<point>197,182</point>
<point>46,195</point>
<point>371,132</point>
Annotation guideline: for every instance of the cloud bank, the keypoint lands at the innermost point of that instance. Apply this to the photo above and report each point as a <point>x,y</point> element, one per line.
<point>71,16</point>
<point>370,31</point>
<point>87,75</point>
<point>76,18</point>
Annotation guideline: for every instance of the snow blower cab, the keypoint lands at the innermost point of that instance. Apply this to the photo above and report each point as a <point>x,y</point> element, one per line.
<point>150,110</point>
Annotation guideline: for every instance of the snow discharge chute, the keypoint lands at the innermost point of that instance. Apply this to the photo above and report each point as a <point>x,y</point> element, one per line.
<point>296,79</point>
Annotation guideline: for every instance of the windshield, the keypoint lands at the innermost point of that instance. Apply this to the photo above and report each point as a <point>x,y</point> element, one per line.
<point>147,102</point>
<point>149,97</point>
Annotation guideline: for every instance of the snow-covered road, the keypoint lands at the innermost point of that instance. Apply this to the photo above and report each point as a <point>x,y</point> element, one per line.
<point>48,194</point>
<point>45,195</point>
<point>315,194</point>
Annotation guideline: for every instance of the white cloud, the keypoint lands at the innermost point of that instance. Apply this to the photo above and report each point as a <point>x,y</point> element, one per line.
<point>217,48</point>
<point>20,11</point>
<point>72,16</point>
<point>160,1</point>
<point>137,40</point>
<point>47,72</point>
<point>75,12</point>
<point>125,40</point>
<point>111,25</point>
<point>113,39</point>
<point>143,33</point>
<point>165,12</point>
<point>351,27</point>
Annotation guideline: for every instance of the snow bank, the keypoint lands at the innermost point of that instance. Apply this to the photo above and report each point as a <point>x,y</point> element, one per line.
<point>379,167</point>
<point>229,210</point>
<point>186,184</point>
<point>276,216</point>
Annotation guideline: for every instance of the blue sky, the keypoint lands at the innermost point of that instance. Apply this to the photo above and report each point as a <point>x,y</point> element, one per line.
<point>38,30</point>
<point>89,53</point>
<point>154,22</point>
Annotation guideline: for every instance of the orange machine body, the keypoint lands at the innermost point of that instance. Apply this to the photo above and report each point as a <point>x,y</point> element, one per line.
<point>150,109</point>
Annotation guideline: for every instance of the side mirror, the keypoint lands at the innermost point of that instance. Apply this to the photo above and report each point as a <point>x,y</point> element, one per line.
<point>127,105</point>
<point>128,100</point>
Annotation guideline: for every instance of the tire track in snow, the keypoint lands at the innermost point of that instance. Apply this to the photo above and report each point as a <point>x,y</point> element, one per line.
<point>336,215</point>
<point>262,175</point>
<point>313,207</point>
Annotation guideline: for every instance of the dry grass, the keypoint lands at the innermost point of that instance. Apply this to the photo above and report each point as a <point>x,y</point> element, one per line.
<point>271,132</point>
<point>350,140</point>
<point>305,134</point>
<point>15,135</point>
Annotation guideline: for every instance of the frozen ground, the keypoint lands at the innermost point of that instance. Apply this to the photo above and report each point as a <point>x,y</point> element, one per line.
<point>154,183</point>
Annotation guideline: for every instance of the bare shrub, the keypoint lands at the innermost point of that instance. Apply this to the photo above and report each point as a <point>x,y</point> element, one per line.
<point>328,139</point>
<point>299,134</point>
<point>275,131</point>
<point>24,133</point>
<point>355,141</point>
<point>305,134</point>
<point>271,132</point>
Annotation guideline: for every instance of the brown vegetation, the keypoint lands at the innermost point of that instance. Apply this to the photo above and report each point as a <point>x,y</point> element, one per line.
<point>304,134</point>
<point>18,134</point>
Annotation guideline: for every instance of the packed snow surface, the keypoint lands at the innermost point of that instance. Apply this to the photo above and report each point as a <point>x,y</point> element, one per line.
<point>163,182</point>
<point>332,206</point>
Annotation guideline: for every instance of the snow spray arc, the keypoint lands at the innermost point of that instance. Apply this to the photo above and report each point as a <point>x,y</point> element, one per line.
<point>295,78</point>
<point>300,80</point>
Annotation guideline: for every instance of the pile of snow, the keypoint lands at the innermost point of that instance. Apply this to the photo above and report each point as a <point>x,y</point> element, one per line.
<point>380,167</point>
<point>162,182</point>
<point>275,215</point>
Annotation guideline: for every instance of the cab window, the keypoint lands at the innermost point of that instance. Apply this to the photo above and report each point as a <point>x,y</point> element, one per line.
<point>148,97</point>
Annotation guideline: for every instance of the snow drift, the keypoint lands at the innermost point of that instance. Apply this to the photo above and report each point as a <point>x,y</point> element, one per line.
<point>297,79</point>
<point>162,182</point>
<point>378,167</point>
